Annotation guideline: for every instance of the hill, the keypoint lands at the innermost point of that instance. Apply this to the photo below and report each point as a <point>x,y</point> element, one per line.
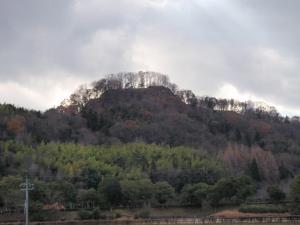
<point>146,107</point>
<point>201,148</point>
<point>151,115</point>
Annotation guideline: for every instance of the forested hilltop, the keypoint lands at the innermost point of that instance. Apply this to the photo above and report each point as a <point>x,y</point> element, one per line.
<point>134,139</point>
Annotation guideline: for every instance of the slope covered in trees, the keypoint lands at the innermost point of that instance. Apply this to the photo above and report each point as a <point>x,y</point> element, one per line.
<point>192,145</point>
<point>130,175</point>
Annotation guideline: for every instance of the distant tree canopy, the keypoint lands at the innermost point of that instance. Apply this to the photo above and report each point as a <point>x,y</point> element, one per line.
<point>107,176</point>
<point>141,79</point>
<point>145,107</point>
<point>127,107</point>
<point>131,80</point>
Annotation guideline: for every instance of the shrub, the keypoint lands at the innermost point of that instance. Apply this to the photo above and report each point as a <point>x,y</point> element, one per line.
<point>37,213</point>
<point>89,215</point>
<point>96,214</point>
<point>144,213</point>
<point>275,194</point>
<point>44,215</point>
<point>85,215</point>
<point>118,215</point>
<point>263,208</point>
<point>295,209</point>
<point>295,189</point>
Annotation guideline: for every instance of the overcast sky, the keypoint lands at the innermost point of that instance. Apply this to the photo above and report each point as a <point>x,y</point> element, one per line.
<point>244,49</point>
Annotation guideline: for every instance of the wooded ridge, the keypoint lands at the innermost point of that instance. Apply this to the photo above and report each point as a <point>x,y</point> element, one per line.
<point>134,139</point>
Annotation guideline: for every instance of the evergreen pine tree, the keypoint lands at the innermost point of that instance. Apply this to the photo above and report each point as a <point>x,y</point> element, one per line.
<point>254,171</point>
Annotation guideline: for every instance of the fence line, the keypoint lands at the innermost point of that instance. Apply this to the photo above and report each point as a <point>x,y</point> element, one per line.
<point>173,221</point>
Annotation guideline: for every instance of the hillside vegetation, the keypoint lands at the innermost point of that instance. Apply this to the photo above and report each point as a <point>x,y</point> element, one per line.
<point>136,139</point>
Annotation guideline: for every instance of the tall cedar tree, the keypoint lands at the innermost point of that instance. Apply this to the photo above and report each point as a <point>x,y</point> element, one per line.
<point>254,171</point>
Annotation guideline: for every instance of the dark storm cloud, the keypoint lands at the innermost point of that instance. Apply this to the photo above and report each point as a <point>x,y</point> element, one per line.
<point>48,47</point>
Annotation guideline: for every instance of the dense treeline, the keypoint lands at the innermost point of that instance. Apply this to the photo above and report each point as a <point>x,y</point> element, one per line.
<point>145,106</point>
<point>83,94</point>
<point>131,175</point>
<point>247,140</point>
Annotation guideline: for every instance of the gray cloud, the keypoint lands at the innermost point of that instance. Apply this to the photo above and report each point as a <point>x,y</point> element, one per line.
<point>48,47</point>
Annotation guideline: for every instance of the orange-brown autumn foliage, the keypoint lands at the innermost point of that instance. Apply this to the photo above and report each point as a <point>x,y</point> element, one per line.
<point>238,157</point>
<point>16,124</point>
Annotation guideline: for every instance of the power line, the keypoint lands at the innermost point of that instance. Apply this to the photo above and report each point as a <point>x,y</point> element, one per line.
<point>26,187</point>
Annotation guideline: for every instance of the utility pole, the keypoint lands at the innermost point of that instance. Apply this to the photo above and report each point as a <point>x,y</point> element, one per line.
<point>26,187</point>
